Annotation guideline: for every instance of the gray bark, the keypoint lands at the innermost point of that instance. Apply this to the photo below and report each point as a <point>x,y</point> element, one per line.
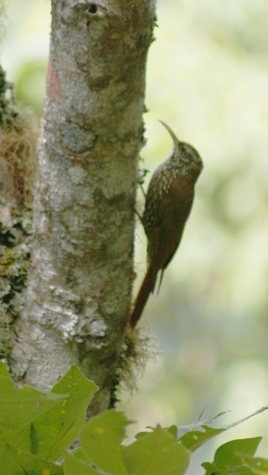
<point>79,286</point>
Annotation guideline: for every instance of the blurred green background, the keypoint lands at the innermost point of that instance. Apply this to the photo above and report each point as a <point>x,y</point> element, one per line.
<point>207,77</point>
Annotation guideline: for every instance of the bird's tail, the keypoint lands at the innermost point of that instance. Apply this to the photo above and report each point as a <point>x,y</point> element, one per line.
<point>147,287</point>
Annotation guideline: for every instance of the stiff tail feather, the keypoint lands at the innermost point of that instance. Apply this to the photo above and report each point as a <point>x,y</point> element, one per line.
<point>147,287</point>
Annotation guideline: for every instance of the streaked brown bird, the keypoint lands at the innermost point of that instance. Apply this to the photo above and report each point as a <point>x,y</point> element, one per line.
<point>168,204</point>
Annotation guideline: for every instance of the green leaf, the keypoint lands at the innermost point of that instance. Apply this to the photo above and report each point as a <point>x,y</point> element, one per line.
<point>18,462</point>
<point>173,430</point>
<point>5,374</point>
<point>156,453</point>
<point>19,407</point>
<point>229,457</point>
<point>194,439</point>
<point>209,468</point>
<point>74,465</point>
<point>258,465</point>
<point>100,441</point>
<point>139,435</point>
<point>55,429</point>
<point>225,456</point>
<point>37,427</point>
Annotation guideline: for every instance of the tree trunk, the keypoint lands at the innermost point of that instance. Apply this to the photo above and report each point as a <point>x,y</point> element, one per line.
<point>79,286</point>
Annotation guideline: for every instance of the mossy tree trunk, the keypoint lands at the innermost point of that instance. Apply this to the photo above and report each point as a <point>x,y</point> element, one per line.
<point>79,285</point>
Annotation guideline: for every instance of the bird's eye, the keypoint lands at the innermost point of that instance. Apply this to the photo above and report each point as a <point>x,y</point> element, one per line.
<point>189,150</point>
<point>186,148</point>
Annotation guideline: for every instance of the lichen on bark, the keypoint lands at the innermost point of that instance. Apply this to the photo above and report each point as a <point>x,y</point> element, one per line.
<point>18,137</point>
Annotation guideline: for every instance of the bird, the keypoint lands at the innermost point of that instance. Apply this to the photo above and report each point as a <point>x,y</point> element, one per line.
<point>168,203</point>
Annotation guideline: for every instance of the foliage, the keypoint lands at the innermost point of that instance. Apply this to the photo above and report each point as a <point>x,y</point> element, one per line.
<point>37,429</point>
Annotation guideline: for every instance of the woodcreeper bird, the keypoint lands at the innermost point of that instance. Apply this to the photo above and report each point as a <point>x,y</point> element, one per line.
<point>168,204</point>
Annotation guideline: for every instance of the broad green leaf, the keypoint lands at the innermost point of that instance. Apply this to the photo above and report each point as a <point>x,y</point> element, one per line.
<point>209,468</point>
<point>18,462</point>
<point>4,374</point>
<point>173,430</point>
<point>155,454</point>
<point>139,435</point>
<point>19,407</point>
<point>226,457</point>
<point>258,466</point>
<point>100,441</point>
<point>54,430</point>
<point>73,465</point>
<point>194,439</point>
<point>229,457</point>
<point>49,422</point>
